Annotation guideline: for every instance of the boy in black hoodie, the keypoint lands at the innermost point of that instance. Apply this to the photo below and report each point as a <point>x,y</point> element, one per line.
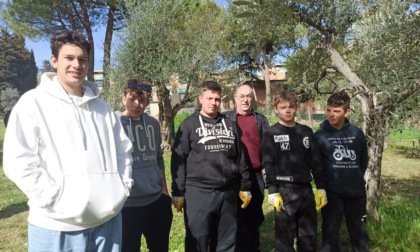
<point>208,172</point>
<point>344,151</point>
<point>291,158</point>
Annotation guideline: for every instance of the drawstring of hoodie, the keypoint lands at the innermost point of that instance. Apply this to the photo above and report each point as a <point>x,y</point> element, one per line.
<point>144,124</point>
<point>202,126</point>
<point>79,122</point>
<point>131,130</point>
<point>224,125</point>
<point>78,117</point>
<point>131,134</point>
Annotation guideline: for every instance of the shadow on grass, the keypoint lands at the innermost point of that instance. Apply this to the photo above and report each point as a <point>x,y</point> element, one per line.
<point>405,187</point>
<point>13,209</point>
<point>267,238</point>
<point>1,151</point>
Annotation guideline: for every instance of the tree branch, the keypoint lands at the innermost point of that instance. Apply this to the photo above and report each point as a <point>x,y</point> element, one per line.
<point>408,91</point>
<point>304,17</point>
<point>323,75</point>
<point>308,61</point>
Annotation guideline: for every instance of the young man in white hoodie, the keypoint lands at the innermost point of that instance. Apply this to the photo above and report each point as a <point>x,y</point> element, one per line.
<point>66,150</point>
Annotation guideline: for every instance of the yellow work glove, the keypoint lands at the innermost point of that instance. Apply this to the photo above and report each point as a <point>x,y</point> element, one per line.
<point>276,201</point>
<point>246,197</point>
<point>178,202</point>
<point>320,199</point>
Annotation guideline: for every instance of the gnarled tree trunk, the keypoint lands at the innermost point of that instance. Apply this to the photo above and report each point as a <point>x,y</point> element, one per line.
<point>375,130</point>
<point>166,117</point>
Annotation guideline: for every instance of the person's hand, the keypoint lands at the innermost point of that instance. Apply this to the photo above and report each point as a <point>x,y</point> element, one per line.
<point>178,202</point>
<point>320,199</point>
<point>245,196</point>
<point>276,201</point>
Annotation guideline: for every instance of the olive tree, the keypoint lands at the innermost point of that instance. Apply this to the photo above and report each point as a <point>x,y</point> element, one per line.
<point>371,47</point>
<point>169,38</point>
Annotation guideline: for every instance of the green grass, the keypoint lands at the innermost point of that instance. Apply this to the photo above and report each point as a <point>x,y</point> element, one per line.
<point>397,230</point>
<point>178,119</point>
<point>404,134</point>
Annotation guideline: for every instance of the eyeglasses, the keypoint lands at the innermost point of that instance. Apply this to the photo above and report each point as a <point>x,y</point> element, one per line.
<point>142,86</point>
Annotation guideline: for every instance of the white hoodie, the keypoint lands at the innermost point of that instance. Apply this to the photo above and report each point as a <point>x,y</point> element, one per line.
<point>72,159</point>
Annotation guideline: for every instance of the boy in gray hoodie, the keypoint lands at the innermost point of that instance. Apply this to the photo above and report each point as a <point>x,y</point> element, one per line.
<point>148,209</point>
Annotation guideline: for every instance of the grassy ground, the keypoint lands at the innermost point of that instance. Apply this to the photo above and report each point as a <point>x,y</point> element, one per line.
<point>398,229</point>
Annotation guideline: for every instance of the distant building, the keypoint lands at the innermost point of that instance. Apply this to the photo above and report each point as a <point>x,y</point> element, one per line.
<point>98,75</point>
<point>255,78</point>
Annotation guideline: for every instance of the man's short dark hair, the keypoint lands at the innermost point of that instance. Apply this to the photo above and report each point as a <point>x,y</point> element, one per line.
<point>69,38</point>
<point>211,85</point>
<point>339,99</point>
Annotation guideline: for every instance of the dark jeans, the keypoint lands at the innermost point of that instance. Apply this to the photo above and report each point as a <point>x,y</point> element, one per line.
<point>354,211</point>
<point>210,219</point>
<point>153,221</point>
<point>298,220</point>
<point>250,218</point>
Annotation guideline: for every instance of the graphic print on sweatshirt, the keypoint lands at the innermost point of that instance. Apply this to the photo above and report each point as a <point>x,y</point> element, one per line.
<point>144,144</point>
<point>345,157</point>
<point>215,137</point>
<point>284,141</point>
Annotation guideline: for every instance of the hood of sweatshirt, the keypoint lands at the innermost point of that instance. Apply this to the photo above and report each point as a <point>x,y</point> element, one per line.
<point>327,126</point>
<point>49,84</point>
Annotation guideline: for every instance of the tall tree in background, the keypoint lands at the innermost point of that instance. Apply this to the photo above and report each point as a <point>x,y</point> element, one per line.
<point>164,39</point>
<point>17,64</point>
<point>9,96</point>
<point>44,18</point>
<point>47,66</point>
<point>262,36</point>
<point>374,49</point>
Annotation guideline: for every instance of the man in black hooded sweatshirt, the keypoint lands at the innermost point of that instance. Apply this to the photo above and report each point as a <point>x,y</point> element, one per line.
<point>208,172</point>
<point>344,151</point>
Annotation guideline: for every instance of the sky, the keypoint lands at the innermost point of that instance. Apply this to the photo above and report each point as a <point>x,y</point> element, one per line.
<point>42,50</point>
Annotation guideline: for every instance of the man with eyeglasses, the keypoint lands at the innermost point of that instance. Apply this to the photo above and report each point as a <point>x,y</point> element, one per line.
<point>148,209</point>
<point>251,127</point>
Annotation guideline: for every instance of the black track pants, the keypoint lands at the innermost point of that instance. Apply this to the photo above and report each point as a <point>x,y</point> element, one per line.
<point>153,221</point>
<point>354,211</point>
<point>298,220</point>
<point>210,219</point>
<point>250,218</point>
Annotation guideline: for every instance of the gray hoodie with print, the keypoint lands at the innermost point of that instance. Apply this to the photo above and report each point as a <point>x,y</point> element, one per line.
<point>147,154</point>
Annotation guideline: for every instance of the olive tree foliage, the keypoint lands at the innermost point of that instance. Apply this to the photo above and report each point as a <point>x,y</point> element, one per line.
<point>9,96</point>
<point>261,36</point>
<point>43,18</point>
<point>372,50</point>
<point>164,39</point>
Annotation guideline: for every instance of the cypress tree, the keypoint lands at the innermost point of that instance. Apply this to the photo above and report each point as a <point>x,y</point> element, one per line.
<point>17,63</point>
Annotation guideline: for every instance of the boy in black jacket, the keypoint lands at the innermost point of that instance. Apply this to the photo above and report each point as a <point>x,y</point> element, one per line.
<point>208,172</point>
<point>344,151</point>
<point>291,158</point>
